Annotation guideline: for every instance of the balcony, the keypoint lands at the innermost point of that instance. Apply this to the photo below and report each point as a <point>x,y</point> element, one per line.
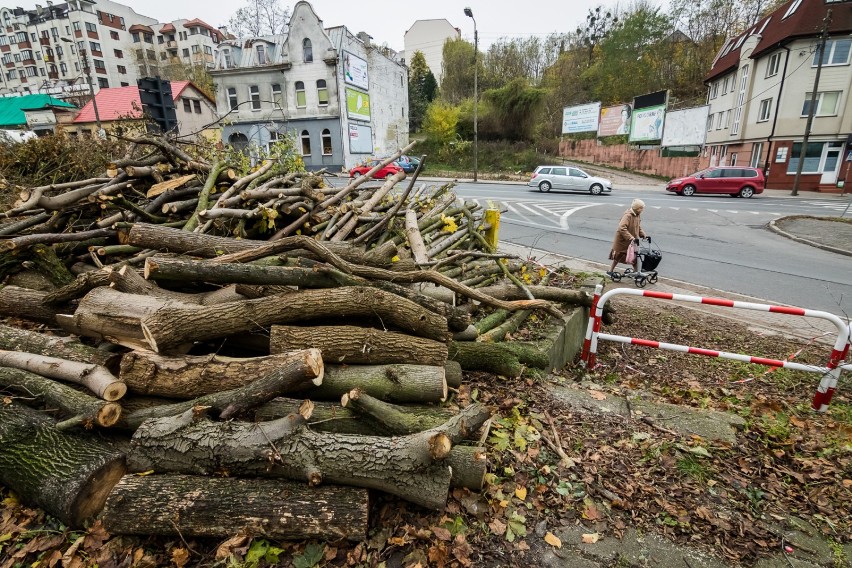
<point>29,61</point>
<point>44,40</point>
<point>52,75</point>
<point>171,44</point>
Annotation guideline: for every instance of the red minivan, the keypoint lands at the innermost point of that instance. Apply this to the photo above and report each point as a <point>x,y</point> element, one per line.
<point>736,182</point>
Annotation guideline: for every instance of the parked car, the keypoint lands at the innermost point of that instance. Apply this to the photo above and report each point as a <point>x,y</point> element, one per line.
<point>385,172</point>
<point>736,182</point>
<point>568,178</point>
<point>407,163</point>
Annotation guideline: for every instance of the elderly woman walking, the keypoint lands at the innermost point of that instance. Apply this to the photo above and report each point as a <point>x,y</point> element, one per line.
<point>629,230</point>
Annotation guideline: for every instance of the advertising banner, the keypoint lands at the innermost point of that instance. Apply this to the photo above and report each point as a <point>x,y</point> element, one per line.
<point>357,104</point>
<point>581,118</point>
<point>647,124</point>
<point>650,100</point>
<point>615,120</point>
<point>687,127</point>
<point>355,71</point>
<point>360,139</point>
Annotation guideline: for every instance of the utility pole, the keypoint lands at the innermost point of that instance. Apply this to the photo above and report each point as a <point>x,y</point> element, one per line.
<point>820,51</point>
<point>469,13</point>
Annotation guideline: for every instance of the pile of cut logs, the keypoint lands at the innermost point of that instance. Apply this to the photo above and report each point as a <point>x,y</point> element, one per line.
<point>269,347</point>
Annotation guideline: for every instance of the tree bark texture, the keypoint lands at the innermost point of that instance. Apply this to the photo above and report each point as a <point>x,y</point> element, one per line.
<point>82,408</point>
<point>16,339</point>
<point>182,270</point>
<point>196,506</point>
<point>489,357</point>
<point>411,467</point>
<point>189,377</point>
<point>172,326</point>
<point>26,304</point>
<point>67,476</point>
<point>358,345</point>
<point>393,383</point>
<point>233,402</point>
<point>96,378</point>
<point>453,374</point>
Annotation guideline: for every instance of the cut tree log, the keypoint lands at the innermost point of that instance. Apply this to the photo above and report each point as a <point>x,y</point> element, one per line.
<point>489,357</point>
<point>188,377</point>
<point>358,345</point>
<point>96,378</point>
<point>181,270</point>
<point>83,409</point>
<point>410,467</point>
<point>232,402</point>
<point>172,326</point>
<point>395,383</point>
<point>16,339</point>
<point>67,476</point>
<point>469,465</point>
<point>27,304</point>
<point>206,507</point>
<point>453,374</point>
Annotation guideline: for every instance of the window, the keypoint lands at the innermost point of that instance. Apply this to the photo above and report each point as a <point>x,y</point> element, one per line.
<point>306,143</point>
<point>76,26</point>
<point>736,173</point>
<point>149,38</point>
<point>773,64</point>
<point>791,9</point>
<point>261,54</point>
<point>326,142</point>
<point>113,35</point>
<point>725,85</point>
<point>163,56</point>
<point>152,55</point>
<point>94,46</point>
<point>63,68</point>
<point>719,119</point>
<point>228,61</point>
<point>560,171</point>
<point>160,39</point>
<point>233,104</point>
<point>307,50</point>
<point>118,53</point>
<point>714,90</point>
<point>826,103</point>
<point>31,71</point>
<point>756,151</point>
<point>197,106</point>
<point>90,27</point>
<point>322,93</point>
<point>99,65</point>
<point>122,69</point>
<point>58,51</point>
<point>208,50</point>
<point>740,100</point>
<point>4,40</point>
<point>185,52</point>
<point>254,95</point>
<point>33,36</point>
<point>136,38</point>
<point>301,101</point>
<point>195,49</point>
<point>277,96</point>
<point>765,110</point>
<point>103,82</point>
<point>836,52</point>
<point>22,37</point>
<point>187,105</point>
<point>813,156</point>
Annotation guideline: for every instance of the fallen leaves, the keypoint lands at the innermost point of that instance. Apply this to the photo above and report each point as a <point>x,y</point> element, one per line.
<point>590,538</point>
<point>552,540</point>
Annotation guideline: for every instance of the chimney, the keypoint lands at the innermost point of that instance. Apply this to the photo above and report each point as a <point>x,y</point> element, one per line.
<point>364,37</point>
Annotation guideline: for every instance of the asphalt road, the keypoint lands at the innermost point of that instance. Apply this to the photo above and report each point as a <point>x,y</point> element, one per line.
<point>715,241</point>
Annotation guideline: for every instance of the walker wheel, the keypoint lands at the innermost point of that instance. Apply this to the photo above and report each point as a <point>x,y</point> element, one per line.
<point>653,278</point>
<point>616,277</point>
<point>641,281</point>
<point>628,271</point>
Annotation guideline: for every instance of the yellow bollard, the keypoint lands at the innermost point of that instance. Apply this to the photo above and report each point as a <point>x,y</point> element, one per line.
<point>492,219</point>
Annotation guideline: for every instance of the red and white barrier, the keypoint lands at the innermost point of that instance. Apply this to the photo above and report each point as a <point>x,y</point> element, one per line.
<point>831,372</point>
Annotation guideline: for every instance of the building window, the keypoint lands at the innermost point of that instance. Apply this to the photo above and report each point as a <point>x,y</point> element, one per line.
<point>185,52</point>
<point>152,55</point>
<point>103,82</point>
<point>254,95</point>
<point>208,50</point>
<point>277,96</point>
<point>836,52</point>
<point>113,35</point>
<point>195,49</point>
<point>733,158</point>
<point>813,156</point>
<point>118,53</point>
<point>160,39</point>
<point>196,105</point>
<point>99,65</point>
<point>725,85</point>
<point>773,64</point>
<point>233,103</point>
<point>261,54</point>
<point>714,90</point>
<point>228,61</point>
<point>307,50</point>
<point>95,46</point>
<point>326,142</point>
<point>306,143</point>
<point>756,151</point>
<point>301,101</point>
<point>122,69</point>
<point>136,37</point>
<point>90,27</point>
<point>187,105</point>
<point>322,93</point>
<point>719,119</point>
<point>793,7</point>
<point>149,38</point>
<point>740,100</point>
<point>765,110</point>
<point>826,103</point>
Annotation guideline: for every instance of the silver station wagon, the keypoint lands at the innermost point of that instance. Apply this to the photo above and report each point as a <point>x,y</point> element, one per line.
<point>568,178</point>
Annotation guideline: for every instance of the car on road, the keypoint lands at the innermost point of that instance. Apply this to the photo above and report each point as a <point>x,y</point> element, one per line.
<point>408,163</point>
<point>735,181</point>
<point>385,172</point>
<point>568,178</point>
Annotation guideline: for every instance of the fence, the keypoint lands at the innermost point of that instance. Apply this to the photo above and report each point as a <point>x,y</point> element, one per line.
<point>831,372</point>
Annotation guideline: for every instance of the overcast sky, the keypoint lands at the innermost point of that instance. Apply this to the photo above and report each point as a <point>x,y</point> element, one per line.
<point>388,20</point>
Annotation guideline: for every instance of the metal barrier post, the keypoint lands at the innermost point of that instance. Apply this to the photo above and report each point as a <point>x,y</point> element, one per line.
<point>590,327</point>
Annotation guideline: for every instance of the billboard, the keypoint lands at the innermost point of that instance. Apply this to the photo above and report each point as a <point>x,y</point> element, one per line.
<point>360,139</point>
<point>581,118</point>
<point>647,124</point>
<point>651,100</point>
<point>355,71</point>
<point>615,120</point>
<point>687,127</point>
<point>357,104</point>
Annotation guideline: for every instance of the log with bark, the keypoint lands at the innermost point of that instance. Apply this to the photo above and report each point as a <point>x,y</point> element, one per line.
<point>395,383</point>
<point>68,476</point>
<point>16,339</point>
<point>411,467</point>
<point>96,378</point>
<point>216,507</point>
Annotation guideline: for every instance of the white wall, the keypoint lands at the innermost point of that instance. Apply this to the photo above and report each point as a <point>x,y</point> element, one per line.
<point>429,37</point>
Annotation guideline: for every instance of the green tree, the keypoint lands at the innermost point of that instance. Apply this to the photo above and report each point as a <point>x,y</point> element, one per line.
<point>457,82</point>
<point>513,108</point>
<point>259,18</point>
<point>198,74</point>
<point>599,23</point>
<point>421,90</point>
<point>564,88</point>
<point>440,122</point>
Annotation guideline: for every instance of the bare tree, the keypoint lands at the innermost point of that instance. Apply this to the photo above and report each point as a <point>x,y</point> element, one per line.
<point>260,18</point>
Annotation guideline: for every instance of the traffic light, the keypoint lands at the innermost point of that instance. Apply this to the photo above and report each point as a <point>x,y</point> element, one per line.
<point>157,102</point>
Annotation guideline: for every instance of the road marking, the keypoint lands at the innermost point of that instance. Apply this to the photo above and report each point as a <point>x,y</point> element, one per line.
<point>691,209</point>
<point>713,210</point>
<point>530,209</point>
<point>563,220</point>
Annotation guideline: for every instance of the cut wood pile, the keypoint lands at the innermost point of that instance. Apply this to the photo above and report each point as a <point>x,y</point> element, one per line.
<point>268,347</point>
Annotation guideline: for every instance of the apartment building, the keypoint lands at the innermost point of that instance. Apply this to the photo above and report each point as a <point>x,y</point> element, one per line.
<point>341,97</point>
<point>760,89</point>
<point>429,37</point>
<point>50,49</point>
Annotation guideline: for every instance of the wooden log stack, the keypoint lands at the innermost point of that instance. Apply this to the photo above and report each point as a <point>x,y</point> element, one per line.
<point>237,327</point>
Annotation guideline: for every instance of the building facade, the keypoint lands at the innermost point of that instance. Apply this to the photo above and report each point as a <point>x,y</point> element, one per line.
<point>759,92</point>
<point>50,49</point>
<point>341,98</point>
<point>429,37</point>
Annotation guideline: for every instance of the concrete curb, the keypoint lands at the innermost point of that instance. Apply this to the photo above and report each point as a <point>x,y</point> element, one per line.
<point>775,229</point>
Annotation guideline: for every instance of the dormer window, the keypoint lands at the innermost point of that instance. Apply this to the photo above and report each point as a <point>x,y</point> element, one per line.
<point>261,54</point>
<point>307,50</point>
<point>792,9</point>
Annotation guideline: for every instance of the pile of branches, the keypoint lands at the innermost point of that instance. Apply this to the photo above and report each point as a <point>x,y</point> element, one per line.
<point>314,348</point>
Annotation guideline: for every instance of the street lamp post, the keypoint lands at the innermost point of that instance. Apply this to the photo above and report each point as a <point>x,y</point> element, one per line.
<point>469,13</point>
<point>85,69</point>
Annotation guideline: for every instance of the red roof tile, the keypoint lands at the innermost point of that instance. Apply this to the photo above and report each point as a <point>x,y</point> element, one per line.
<point>113,104</point>
<point>806,21</point>
<point>140,28</point>
<point>203,24</point>
<point>167,29</point>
